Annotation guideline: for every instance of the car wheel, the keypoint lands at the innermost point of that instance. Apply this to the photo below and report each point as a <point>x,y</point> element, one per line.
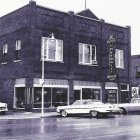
<point>64,113</point>
<point>2,113</point>
<point>94,113</point>
<point>123,110</point>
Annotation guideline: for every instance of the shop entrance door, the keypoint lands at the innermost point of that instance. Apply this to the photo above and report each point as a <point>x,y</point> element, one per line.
<point>77,94</point>
<point>124,97</point>
<point>112,95</point>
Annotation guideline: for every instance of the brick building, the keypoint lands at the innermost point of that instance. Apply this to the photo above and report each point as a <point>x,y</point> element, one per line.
<point>77,60</point>
<point>135,75</point>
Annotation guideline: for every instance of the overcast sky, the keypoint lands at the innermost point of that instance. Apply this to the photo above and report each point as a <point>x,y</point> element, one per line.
<point>120,12</point>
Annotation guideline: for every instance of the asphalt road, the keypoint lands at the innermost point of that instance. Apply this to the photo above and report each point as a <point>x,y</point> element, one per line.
<point>118,127</point>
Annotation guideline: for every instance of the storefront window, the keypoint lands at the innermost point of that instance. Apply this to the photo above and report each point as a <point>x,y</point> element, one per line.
<point>20,97</point>
<point>53,97</point>
<point>91,94</point>
<point>38,97</point>
<point>59,96</point>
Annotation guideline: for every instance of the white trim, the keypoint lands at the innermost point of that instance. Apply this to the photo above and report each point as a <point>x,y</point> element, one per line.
<point>20,85</point>
<point>101,94</point>
<point>68,94</point>
<point>38,85</point>
<point>81,95</point>
<point>92,65</point>
<point>14,104</point>
<point>4,63</point>
<point>91,87</point>
<point>117,96</point>
<point>111,88</point>
<point>17,61</point>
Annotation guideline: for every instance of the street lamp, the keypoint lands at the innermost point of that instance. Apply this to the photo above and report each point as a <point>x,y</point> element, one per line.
<point>44,44</point>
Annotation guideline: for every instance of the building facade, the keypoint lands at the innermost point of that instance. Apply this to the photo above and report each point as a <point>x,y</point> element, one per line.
<point>135,76</point>
<point>80,58</point>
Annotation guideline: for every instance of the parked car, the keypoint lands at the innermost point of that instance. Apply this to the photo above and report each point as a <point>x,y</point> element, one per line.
<point>3,108</point>
<point>133,106</point>
<point>92,107</point>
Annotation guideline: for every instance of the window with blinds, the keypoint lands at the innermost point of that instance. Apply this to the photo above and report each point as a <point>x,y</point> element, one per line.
<point>119,58</point>
<point>5,52</point>
<point>87,54</point>
<point>17,50</point>
<point>53,49</point>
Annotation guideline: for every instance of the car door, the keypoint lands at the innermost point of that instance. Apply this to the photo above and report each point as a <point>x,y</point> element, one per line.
<point>134,106</point>
<point>80,108</point>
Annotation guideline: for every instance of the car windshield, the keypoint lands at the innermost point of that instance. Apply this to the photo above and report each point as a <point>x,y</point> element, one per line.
<point>78,102</point>
<point>97,102</point>
<point>82,102</point>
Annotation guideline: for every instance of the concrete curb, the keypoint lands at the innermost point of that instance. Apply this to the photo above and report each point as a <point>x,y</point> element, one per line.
<point>26,115</point>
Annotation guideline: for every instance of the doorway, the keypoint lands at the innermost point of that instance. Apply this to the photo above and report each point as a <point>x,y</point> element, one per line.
<point>111,96</point>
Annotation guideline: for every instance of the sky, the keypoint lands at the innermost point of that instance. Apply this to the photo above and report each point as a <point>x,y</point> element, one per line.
<point>119,12</point>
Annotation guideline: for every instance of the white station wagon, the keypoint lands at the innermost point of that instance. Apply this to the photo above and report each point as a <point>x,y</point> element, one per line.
<point>133,106</point>
<point>92,107</point>
<point>3,108</point>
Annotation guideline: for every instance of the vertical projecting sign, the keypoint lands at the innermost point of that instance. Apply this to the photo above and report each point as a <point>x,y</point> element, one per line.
<point>112,68</point>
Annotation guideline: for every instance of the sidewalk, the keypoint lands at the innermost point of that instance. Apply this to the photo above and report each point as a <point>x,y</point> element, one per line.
<point>26,115</point>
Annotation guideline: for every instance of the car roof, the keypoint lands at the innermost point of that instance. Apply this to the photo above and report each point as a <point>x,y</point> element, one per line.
<point>92,100</point>
<point>135,99</point>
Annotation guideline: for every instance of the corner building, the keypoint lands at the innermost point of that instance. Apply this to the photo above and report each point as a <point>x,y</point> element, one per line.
<point>76,57</point>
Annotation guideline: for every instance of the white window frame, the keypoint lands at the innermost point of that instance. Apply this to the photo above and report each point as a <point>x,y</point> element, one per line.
<point>5,52</point>
<point>44,44</point>
<point>17,50</point>
<point>5,48</point>
<point>18,45</point>
<point>92,62</point>
<point>125,85</point>
<point>118,56</point>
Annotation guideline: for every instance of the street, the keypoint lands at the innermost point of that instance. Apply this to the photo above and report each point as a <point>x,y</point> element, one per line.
<point>118,127</point>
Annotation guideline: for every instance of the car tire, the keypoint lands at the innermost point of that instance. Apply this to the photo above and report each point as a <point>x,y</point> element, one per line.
<point>64,113</point>
<point>94,113</point>
<point>2,112</point>
<point>123,110</point>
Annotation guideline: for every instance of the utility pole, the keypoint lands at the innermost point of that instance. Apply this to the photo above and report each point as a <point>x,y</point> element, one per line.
<point>85,4</point>
<point>42,79</point>
<point>42,83</point>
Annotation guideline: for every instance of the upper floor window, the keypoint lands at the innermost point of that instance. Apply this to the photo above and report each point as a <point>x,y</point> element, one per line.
<point>87,54</point>
<point>17,50</point>
<point>53,49</point>
<point>119,58</point>
<point>5,52</point>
